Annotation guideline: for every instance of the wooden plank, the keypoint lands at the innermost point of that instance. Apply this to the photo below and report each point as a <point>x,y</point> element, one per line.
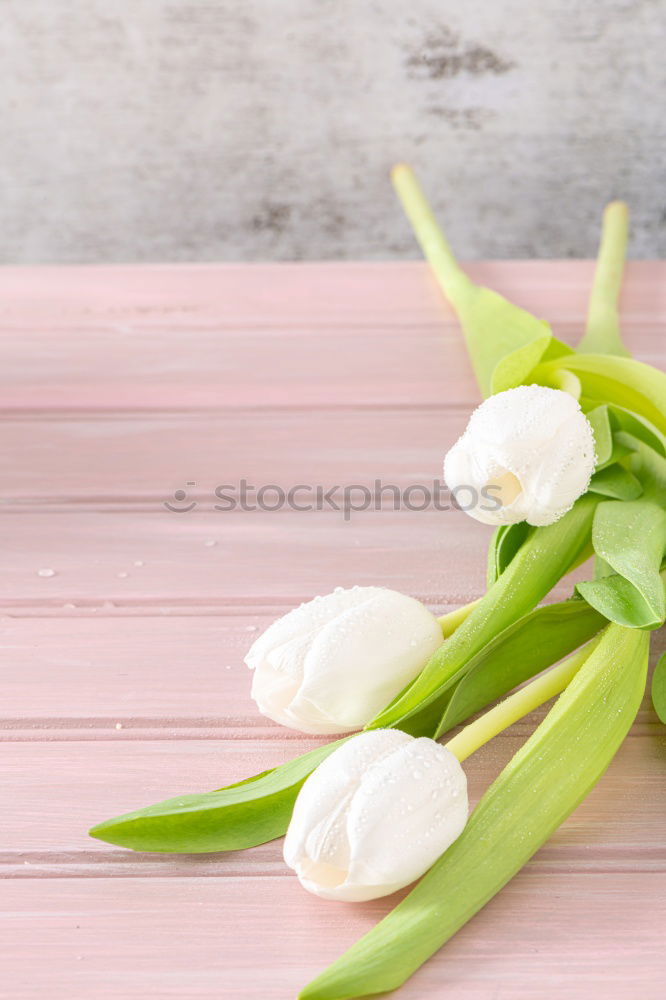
<point>172,674</point>
<point>147,457</point>
<point>135,938</point>
<point>345,371</point>
<point>106,559</point>
<point>273,334</point>
<point>59,789</point>
<point>261,557</point>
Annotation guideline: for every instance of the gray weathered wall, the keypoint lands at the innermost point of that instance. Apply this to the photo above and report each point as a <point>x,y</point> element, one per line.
<point>254,129</point>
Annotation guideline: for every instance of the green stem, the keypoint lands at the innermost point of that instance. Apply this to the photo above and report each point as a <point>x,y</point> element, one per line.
<point>431,239</point>
<point>602,334</point>
<point>453,619</point>
<point>518,705</point>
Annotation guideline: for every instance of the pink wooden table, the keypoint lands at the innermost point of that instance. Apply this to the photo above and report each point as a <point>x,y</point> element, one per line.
<point>123,625</point>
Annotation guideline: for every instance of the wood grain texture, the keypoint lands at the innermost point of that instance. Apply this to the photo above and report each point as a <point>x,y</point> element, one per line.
<point>121,674</point>
<point>128,939</point>
<point>128,457</point>
<point>618,813</point>
<point>146,671</point>
<point>302,335</point>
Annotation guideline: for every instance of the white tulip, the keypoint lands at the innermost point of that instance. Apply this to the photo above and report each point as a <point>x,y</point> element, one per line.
<point>329,666</point>
<point>375,815</point>
<point>527,454</point>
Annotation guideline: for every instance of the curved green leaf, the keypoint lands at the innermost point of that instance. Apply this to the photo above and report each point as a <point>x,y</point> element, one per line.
<point>599,419</point>
<point>539,788</point>
<point>659,688</point>
<point>627,383</point>
<point>544,557</point>
<point>615,482</point>
<point>639,427</point>
<point>242,815</point>
<point>505,542</point>
<point>523,650</point>
<point>630,537</point>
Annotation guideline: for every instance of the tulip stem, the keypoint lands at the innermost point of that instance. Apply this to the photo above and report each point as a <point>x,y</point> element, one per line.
<point>450,276</point>
<point>519,704</point>
<point>602,334</point>
<point>453,619</point>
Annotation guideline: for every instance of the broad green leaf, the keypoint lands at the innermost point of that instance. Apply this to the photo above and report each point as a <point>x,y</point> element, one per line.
<point>229,819</point>
<point>630,537</point>
<point>616,482</point>
<point>544,557</point>
<point>505,542</point>
<point>504,342</point>
<point>601,568</point>
<point>624,382</point>
<point>659,688</point>
<point>567,382</point>
<point>648,466</point>
<point>602,334</point>
<point>604,422</point>
<point>539,788</point>
<point>619,601</point>
<point>639,427</point>
<point>599,420</point>
<point>523,650</point>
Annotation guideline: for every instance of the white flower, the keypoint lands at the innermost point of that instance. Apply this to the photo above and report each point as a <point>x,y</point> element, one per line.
<point>332,664</point>
<point>527,454</point>
<point>375,815</point>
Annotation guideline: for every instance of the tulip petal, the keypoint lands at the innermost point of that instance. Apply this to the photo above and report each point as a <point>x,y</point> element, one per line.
<point>317,836</point>
<point>531,449</point>
<point>307,617</point>
<point>362,660</point>
<point>408,809</point>
<point>545,781</point>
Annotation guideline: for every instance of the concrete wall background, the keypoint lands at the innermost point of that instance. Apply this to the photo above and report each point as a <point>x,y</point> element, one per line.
<point>264,129</point>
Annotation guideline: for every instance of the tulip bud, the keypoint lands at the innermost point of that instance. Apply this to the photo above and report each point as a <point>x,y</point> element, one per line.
<point>527,454</point>
<point>375,815</point>
<point>332,664</point>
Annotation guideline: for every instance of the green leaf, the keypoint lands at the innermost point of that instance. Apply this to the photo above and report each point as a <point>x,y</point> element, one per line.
<point>523,650</point>
<point>649,467</point>
<point>616,482</point>
<point>640,428</point>
<point>540,787</point>
<point>619,601</point>
<point>544,557</point>
<point>504,342</point>
<point>599,419</point>
<point>623,382</point>
<point>630,537</point>
<point>505,542</point>
<point>242,815</point>
<point>659,688</point>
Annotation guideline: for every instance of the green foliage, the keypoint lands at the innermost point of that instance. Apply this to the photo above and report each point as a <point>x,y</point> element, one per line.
<point>659,688</point>
<point>616,482</point>
<point>539,563</point>
<point>630,538</point>
<point>229,819</point>
<point>540,787</point>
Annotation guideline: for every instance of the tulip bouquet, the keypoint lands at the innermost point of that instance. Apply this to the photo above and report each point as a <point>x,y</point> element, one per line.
<point>566,457</point>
